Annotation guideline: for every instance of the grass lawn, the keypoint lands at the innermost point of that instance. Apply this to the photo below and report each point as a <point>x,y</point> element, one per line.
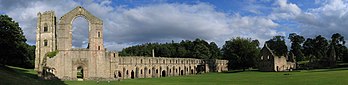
<point>338,76</point>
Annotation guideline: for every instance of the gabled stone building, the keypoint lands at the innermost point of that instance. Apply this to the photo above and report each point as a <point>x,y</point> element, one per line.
<point>95,62</point>
<point>268,61</point>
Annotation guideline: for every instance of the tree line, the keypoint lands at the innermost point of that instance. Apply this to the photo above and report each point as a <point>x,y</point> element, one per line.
<point>13,47</point>
<point>185,49</point>
<point>242,52</point>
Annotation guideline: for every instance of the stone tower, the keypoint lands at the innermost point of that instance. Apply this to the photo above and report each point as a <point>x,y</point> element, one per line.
<point>95,62</point>
<point>45,37</point>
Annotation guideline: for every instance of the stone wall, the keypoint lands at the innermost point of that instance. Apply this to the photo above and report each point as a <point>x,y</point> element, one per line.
<point>268,61</point>
<point>148,67</point>
<point>94,62</point>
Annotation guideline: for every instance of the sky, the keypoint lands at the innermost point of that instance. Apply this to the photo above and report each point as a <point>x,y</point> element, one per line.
<point>132,22</point>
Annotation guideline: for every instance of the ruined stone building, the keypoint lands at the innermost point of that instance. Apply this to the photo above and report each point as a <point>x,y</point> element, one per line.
<point>268,61</point>
<point>95,62</point>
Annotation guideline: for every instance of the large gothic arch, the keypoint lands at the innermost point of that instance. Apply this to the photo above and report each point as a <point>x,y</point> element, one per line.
<point>64,32</point>
<point>94,62</point>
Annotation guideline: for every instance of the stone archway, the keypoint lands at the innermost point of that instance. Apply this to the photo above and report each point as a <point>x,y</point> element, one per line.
<point>119,74</point>
<point>132,75</point>
<point>182,72</point>
<point>79,73</point>
<point>64,36</point>
<point>80,69</point>
<point>163,73</point>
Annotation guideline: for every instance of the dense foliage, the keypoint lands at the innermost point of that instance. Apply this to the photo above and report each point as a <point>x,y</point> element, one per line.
<point>296,41</point>
<point>315,48</point>
<point>185,49</point>
<point>13,49</point>
<point>277,44</point>
<point>52,54</point>
<point>241,52</point>
<point>319,50</point>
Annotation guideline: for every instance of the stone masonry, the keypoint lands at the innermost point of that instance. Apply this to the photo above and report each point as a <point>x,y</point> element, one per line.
<point>95,61</point>
<point>268,61</point>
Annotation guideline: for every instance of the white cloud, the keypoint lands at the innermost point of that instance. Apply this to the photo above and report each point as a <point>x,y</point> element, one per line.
<point>284,10</point>
<point>161,22</point>
<point>326,20</point>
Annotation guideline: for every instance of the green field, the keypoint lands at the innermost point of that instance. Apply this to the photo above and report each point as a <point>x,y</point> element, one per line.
<point>338,76</point>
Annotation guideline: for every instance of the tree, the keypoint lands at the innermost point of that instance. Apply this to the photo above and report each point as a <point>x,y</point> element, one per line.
<point>214,50</point>
<point>181,52</point>
<point>277,43</point>
<point>201,49</point>
<point>185,49</point>
<point>316,48</point>
<point>337,41</point>
<point>241,52</point>
<point>13,49</point>
<point>345,55</point>
<point>296,41</point>
<point>320,46</point>
<point>308,49</point>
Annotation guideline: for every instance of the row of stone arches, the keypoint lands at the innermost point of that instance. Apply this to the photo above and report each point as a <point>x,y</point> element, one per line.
<point>153,72</point>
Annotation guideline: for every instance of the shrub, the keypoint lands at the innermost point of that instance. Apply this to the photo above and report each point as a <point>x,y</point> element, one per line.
<point>52,54</point>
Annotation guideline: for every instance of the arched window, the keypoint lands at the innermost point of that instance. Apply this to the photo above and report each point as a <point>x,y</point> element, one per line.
<point>98,47</point>
<point>45,43</point>
<point>98,34</point>
<point>45,29</point>
<point>261,57</point>
<point>141,71</point>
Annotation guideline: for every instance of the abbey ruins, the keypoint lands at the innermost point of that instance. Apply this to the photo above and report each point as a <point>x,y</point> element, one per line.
<point>95,62</point>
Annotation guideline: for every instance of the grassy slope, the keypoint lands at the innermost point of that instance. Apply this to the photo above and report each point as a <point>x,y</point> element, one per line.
<point>19,76</point>
<point>313,77</point>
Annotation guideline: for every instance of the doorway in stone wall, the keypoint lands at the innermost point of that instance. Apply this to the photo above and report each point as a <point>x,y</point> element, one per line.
<point>182,72</point>
<point>163,73</point>
<point>79,73</point>
<point>132,74</point>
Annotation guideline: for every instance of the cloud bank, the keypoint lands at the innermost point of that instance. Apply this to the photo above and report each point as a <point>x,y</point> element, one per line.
<point>163,22</point>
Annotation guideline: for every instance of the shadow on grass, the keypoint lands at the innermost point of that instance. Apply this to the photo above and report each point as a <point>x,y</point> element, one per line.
<point>28,77</point>
<point>328,70</point>
<point>238,71</point>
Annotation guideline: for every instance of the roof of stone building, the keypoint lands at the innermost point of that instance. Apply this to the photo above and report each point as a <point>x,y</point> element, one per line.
<point>268,49</point>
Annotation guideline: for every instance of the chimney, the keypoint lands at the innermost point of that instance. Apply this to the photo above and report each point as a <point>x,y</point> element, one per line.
<point>153,53</point>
